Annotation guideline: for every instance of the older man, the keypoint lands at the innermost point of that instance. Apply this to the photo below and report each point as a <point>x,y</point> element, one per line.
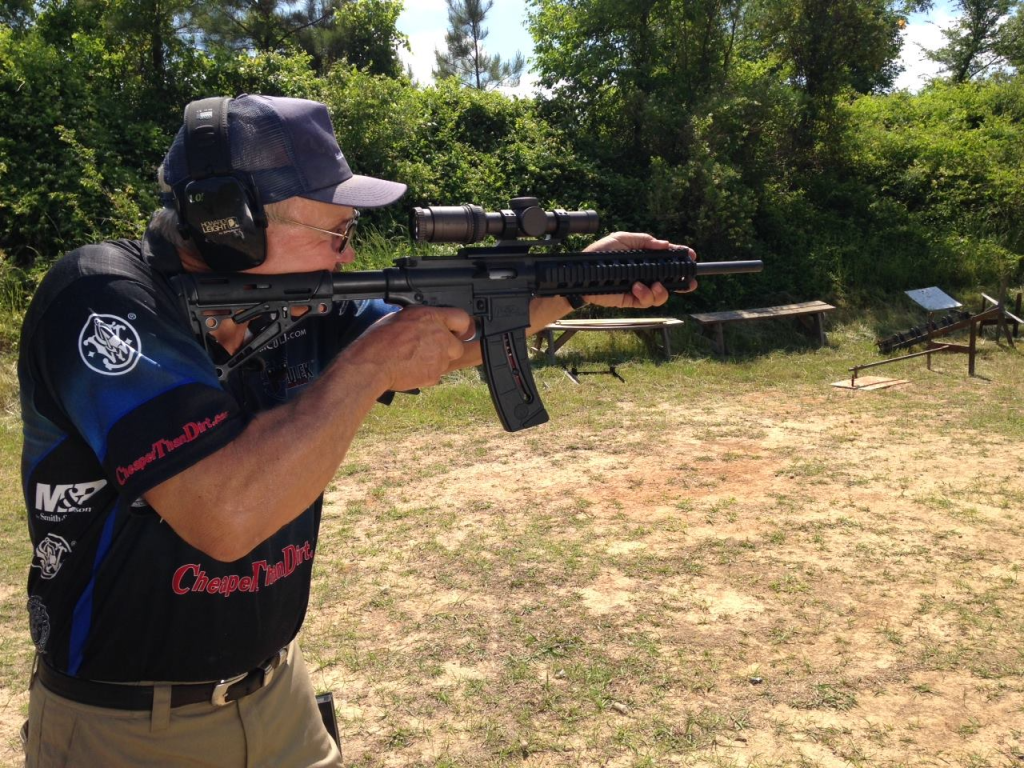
<point>175,518</point>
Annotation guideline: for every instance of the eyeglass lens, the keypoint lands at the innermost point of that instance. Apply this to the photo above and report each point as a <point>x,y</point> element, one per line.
<point>347,233</point>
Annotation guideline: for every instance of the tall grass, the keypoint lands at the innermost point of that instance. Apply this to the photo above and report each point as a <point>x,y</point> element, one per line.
<point>16,288</point>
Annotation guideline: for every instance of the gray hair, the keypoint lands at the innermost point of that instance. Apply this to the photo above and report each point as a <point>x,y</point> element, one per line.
<point>165,221</point>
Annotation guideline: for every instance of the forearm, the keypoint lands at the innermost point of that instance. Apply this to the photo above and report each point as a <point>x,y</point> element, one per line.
<point>239,496</point>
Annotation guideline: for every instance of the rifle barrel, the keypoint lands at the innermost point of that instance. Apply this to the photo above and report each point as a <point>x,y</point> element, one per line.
<point>728,267</point>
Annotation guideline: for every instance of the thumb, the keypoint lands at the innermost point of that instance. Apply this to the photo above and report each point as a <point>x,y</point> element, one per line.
<point>455,320</point>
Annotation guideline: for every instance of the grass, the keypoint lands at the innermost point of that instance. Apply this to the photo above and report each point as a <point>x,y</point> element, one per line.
<point>715,563</point>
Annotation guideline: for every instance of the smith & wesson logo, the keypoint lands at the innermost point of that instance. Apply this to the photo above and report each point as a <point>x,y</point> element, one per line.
<point>109,345</point>
<point>51,553</point>
<point>54,502</point>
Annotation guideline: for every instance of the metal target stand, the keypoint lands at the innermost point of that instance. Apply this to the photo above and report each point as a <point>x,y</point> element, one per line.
<point>933,301</point>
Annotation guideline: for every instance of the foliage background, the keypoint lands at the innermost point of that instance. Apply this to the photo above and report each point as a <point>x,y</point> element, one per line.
<point>746,128</point>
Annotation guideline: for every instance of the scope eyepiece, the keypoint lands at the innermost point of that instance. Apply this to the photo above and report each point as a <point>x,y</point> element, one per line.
<point>471,223</point>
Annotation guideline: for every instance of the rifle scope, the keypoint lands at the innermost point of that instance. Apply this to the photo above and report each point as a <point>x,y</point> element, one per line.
<point>524,218</point>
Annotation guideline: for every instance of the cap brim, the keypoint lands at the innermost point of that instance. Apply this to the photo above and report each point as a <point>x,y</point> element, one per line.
<point>360,192</point>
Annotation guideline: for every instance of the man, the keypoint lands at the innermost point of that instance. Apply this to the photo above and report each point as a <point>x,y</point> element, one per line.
<point>174,518</point>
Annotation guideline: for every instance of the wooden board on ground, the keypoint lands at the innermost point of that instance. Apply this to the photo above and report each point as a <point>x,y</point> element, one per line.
<point>869,383</point>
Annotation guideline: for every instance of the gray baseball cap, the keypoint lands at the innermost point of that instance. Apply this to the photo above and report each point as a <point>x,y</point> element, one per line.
<point>288,148</point>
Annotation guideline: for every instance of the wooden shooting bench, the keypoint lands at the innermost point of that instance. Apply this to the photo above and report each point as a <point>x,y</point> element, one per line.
<point>810,313</point>
<point>644,327</point>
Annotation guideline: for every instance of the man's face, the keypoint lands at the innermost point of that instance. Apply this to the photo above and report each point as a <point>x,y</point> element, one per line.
<point>294,248</point>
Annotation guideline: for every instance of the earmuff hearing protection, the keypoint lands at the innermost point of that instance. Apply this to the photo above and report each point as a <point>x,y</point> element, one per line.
<point>218,208</point>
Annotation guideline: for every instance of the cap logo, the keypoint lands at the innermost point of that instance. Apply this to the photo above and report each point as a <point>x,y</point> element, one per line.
<point>206,114</point>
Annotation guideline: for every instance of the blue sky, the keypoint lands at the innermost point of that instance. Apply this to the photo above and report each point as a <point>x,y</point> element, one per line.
<point>425,22</point>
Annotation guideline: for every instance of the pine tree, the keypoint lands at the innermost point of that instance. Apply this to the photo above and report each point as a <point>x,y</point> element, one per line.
<point>466,58</point>
<point>976,45</point>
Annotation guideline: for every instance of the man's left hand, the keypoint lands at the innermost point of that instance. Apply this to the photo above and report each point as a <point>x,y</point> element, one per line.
<point>640,297</point>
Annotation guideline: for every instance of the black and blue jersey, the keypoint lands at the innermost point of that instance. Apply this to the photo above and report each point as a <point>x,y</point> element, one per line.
<point>118,396</point>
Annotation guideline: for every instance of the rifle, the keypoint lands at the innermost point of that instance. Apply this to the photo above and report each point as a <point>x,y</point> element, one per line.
<point>493,284</point>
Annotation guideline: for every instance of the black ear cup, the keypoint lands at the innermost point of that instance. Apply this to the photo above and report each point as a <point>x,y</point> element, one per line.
<point>225,222</point>
<point>218,209</point>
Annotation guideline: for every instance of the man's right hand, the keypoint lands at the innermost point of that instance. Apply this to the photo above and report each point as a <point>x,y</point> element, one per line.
<point>415,346</point>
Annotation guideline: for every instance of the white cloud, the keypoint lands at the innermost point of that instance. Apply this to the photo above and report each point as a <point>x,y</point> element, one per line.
<point>421,58</point>
<point>527,87</point>
<point>921,35</point>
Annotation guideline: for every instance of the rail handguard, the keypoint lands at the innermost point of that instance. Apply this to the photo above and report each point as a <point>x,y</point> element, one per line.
<point>493,285</point>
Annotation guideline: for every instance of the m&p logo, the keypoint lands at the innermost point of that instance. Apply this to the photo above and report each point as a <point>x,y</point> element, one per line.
<point>54,502</point>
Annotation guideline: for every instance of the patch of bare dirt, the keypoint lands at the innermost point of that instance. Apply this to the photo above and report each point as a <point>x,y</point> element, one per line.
<point>759,583</point>
<point>766,581</point>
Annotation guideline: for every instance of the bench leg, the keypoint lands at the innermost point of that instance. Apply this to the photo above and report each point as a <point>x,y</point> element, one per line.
<point>720,338</point>
<point>550,336</point>
<point>819,325</point>
<point>973,349</point>
<point>556,344</point>
<point>713,333</point>
<point>646,335</point>
<point>813,325</point>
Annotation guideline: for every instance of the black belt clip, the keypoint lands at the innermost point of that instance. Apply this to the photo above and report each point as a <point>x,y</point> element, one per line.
<point>222,689</point>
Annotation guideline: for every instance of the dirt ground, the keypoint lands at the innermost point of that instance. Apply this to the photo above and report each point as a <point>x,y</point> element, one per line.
<point>808,578</point>
<point>828,580</point>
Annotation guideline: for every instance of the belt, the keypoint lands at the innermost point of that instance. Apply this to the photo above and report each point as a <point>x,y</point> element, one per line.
<point>138,697</point>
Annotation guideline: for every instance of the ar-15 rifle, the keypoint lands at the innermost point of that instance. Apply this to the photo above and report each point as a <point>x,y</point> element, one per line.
<point>493,284</point>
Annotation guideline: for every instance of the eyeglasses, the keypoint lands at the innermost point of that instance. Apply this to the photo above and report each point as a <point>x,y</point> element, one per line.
<point>344,235</point>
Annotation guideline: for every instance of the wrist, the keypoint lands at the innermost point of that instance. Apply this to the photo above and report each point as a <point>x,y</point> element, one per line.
<point>575,302</point>
<point>365,362</point>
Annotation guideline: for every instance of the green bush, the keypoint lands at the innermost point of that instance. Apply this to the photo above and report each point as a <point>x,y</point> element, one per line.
<point>64,179</point>
<point>947,164</point>
<point>907,190</point>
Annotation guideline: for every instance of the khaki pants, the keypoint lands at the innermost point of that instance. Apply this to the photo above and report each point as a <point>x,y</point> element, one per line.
<point>276,726</point>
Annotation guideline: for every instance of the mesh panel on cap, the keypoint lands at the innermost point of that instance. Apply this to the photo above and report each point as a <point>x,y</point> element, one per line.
<point>266,135</point>
<point>260,146</point>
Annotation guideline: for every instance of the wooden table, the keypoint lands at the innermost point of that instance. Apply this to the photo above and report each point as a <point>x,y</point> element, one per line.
<point>713,323</point>
<point>641,326</point>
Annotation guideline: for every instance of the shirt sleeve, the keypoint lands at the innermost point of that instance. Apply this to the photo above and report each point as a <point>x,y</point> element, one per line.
<point>358,316</point>
<point>126,375</point>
